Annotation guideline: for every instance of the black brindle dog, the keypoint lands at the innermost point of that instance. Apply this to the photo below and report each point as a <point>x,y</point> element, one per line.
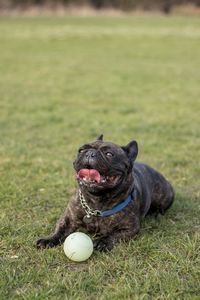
<point>114,194</point>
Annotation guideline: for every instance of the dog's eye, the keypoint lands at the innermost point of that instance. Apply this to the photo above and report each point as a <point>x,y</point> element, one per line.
<point>81,150</point>
<point>109,154</point>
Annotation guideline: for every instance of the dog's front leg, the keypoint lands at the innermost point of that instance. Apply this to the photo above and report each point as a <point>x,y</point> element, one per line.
<point>65,226</point>
<point>125,233</point>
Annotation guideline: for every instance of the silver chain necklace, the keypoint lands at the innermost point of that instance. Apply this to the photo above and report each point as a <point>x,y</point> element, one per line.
<point>89,212</point>
<point>106,213</point>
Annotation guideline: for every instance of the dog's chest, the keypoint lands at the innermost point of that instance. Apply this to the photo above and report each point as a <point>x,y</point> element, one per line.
<point>100,225</point>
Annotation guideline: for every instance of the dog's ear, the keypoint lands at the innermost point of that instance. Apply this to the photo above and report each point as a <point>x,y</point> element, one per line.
<point>100,138</point>
<point>131,149</point>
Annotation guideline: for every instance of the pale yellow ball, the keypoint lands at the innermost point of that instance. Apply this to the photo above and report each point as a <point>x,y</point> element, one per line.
<point>78,246</point>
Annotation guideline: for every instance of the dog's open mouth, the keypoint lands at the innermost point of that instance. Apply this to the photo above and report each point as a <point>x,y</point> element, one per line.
<point>94,178</point>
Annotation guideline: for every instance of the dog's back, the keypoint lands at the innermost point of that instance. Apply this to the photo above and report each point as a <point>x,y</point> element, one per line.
<point>155,191</point>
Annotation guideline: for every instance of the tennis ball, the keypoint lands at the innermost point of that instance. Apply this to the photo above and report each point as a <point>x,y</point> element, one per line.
<point>78,246</point>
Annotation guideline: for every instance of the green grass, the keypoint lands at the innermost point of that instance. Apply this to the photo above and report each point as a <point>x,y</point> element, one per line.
<point>63,81</point>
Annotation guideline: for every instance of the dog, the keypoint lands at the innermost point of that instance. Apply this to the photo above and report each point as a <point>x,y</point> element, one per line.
<point>114,194</point>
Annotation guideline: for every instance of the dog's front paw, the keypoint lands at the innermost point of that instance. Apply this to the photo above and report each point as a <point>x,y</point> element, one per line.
<point>48,242</point>
<point>103,244</point>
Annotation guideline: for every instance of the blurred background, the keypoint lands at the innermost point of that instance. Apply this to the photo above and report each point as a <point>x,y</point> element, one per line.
<point>165,6</point>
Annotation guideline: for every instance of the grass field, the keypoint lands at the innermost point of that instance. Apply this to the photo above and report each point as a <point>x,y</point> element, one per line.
<point>63,81</point>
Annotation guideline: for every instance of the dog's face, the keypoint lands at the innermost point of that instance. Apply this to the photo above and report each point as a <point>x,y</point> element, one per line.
<point>103,166</point>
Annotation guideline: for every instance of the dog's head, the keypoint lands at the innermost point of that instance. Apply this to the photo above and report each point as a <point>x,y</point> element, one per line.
<point>103,166</point>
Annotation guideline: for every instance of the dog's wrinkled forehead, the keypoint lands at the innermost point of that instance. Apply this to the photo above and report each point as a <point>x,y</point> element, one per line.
<point>129,151</point>
<point>104,146</point>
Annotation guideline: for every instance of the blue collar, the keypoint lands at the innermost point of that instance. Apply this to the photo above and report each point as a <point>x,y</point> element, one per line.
<point>117,208</point>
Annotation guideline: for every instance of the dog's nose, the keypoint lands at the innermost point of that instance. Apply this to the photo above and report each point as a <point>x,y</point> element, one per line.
<point>91,154</point>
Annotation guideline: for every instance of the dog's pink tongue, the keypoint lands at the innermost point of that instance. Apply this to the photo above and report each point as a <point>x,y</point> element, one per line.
<point>90,174</point>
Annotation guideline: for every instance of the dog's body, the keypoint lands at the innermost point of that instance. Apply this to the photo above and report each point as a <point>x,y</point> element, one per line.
<point>110,181</point>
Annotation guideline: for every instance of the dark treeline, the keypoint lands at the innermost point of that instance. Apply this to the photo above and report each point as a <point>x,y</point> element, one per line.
<point>126,5</point>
